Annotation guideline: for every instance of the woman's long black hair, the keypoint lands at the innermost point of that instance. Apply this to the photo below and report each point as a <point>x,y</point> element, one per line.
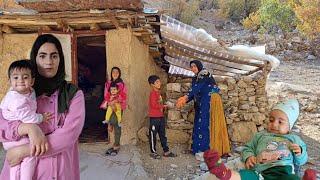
<point>48,86</point>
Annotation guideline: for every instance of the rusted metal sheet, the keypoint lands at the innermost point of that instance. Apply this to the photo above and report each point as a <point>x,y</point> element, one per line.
<point>76,5</point>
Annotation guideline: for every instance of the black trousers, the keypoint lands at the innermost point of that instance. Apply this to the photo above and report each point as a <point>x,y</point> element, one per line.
<point>157,126</point>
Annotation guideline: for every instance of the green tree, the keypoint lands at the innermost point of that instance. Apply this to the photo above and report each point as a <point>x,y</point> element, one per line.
<point>275,14</point>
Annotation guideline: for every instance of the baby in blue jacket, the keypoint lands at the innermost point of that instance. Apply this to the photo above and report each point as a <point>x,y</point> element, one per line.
<point>270,154</point>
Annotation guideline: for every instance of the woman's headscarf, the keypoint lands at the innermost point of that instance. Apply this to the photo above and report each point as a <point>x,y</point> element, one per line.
<point>202,73</point>
<point>48,86</point>
<point>118,80</point>
<point>198,64</point>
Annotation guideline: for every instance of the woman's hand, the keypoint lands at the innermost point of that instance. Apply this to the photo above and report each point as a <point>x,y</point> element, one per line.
<point>182,101</point>
<point>15,155</point>
<point>38,141</point>
<point>251,162</point>
<point>47,116</point>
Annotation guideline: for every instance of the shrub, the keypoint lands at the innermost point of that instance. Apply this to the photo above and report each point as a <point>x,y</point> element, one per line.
<point>275,15</point>
<point>183,10</point>
<point>308,15</point>
<point>208,4</point>
<point>238,9</point>
<point>252,22</point>
<point>190,11</point>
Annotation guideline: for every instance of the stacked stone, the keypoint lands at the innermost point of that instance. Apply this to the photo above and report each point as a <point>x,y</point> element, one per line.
<point>245,106</point>
<point>179,119</point>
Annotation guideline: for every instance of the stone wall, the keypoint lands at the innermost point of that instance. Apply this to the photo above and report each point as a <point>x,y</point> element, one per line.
<point>245,105</point>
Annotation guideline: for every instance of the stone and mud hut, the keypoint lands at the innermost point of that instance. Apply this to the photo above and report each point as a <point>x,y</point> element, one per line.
<point>99,34</point>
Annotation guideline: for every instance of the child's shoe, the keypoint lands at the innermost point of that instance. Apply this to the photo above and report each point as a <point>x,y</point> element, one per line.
<point>169,154</point>
<point>155,156</point>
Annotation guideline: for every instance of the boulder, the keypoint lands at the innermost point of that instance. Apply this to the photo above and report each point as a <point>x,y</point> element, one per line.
<point>231,81</point>
<point>254,109</point>
<point>181,125</point>
<point>244,107</point>
<point>175,87</point>
<point>233,93</point>
<point>242,84</point>
<point>243,98</point>
<point>191,117</point>
<point>260,128</point>
<point>262,110</point>
<point>229,121</point>
<point>252,99</point>
<point>176,136</point>
<point>223,87</point>
<point>186,85</point>
<point>184,115</point>
<point>259,118</point>
<point>247,79</point>
<point>173,115</point>
<point>296,39</point>
<point>250,89</point>
<point>143,134</point>
<point>242,131</point>
<point>248,116</point>
<point>173,95</point>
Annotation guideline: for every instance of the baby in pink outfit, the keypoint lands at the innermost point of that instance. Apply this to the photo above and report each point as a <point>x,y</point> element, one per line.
<point>20,104</point>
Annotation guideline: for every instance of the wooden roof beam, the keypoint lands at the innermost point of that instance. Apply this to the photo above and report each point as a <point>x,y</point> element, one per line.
<point>95,27</point>
<point>114,21</point>
<point>45,28</point>
<point>1,33</point>
<point>7,29</point>
<point>130,21</point>
<point>62,24</point>
<point>32,22</point>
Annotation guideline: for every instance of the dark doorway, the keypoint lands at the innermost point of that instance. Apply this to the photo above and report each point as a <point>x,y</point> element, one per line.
<point>91,55</point>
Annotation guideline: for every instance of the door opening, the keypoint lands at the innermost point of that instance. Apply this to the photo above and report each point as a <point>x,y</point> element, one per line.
<point>91,55</point>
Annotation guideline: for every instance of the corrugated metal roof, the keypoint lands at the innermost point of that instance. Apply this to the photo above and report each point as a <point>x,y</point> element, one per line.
<point>180,71</point>
<point>184,43</point>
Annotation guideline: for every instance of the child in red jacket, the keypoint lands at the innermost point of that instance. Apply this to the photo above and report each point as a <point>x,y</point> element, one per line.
<point>157,122</point>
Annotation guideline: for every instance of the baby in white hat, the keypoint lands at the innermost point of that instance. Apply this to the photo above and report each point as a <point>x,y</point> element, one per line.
<point>270,154</point>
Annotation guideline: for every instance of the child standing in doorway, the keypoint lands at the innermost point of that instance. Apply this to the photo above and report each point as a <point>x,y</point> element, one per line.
<point>113,121</point>
<point>157,122</point>
<point>20,104</point>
